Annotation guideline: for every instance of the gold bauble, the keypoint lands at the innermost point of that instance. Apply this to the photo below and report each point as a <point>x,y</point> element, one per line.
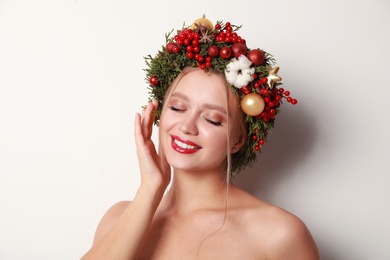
<point>252,104</point>
<point>204,22</point>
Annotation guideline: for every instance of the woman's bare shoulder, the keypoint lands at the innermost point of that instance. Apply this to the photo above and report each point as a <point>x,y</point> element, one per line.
<point>109,219</point>
<point>289,236</point>
<point>282,234</point>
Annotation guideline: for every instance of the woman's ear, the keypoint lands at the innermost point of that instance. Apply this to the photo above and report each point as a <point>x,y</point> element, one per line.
<point>238,144</point>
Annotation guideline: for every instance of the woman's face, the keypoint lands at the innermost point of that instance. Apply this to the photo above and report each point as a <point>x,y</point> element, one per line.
<point>193,126</point>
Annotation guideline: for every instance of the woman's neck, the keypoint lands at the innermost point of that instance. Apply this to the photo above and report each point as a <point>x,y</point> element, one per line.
<point>191,191</point>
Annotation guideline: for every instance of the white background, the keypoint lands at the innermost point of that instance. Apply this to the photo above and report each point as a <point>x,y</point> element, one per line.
<point>71,79</point>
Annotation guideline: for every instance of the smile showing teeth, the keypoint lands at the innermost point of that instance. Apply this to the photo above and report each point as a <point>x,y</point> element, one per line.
<point>184,146</point>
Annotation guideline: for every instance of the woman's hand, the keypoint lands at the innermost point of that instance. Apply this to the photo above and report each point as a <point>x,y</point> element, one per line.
<point>155,170</point>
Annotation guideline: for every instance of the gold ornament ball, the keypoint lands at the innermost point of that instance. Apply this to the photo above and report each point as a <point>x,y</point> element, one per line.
<point>204,22</point>
<point>252,104</point>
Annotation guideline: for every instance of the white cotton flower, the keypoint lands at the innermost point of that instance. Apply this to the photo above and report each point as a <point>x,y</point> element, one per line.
<point>239,72</point>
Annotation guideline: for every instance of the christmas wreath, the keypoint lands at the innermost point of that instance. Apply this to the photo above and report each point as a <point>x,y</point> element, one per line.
<point>250,72</point>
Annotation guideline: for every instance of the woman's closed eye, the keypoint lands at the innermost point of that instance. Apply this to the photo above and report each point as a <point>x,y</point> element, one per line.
<point>175,109</point>
<point>213,122</point>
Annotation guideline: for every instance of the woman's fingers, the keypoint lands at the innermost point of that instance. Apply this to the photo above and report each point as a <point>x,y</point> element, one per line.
<point>148,119</point>
<point>138,136</point>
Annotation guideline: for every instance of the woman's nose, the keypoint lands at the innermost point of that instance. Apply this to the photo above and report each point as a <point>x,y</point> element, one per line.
<point>188,126</point>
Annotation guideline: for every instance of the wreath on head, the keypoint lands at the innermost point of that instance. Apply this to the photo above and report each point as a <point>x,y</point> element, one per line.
<point>250,73</point>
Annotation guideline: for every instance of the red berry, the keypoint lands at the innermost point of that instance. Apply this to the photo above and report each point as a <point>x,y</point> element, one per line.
<point>195,42</point>
<point>189,48</point>
<point>261,142</point>
<point>203,66</point>
<point>176,49</point>
<point>199,58</point>
<point>179,41</point>
<point>287,93</point>
<point>246,90</point>
<point>196,49</point>
<point>190,55</point>
<point>217,26</point>
<point>289,99</point>
<point>271,104</point>
<point>294,101</point>
<point>186,41</point>
<point>254,137</point>
<point>225,52</point>
<point>153,81</point>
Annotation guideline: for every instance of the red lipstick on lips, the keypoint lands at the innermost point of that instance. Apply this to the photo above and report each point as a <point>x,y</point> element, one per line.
<point>179,149</point>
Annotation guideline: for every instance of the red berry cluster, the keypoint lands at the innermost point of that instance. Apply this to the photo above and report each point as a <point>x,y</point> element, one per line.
<point>259,142</point>
<point>191,40</point>
<point>227,35</point>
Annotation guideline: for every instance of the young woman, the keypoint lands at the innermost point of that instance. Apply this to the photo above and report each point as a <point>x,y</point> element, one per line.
<point>205,136</point>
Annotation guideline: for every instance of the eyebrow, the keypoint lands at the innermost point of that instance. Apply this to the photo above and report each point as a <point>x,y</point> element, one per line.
<point>206,105</point>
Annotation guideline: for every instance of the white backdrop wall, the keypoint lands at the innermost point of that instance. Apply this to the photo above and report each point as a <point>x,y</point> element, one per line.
<point>71,79</point>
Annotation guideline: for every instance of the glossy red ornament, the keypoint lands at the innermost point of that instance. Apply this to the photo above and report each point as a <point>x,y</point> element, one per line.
<point>256,56</point>
<point>238,49</point>
<point>169,47</point>
<point>213,51</point>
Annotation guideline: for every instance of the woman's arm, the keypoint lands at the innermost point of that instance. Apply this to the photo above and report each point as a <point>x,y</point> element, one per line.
<point>123,229</point>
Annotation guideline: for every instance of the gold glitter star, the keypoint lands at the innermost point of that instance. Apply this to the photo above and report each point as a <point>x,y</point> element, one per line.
<point>273,77</point>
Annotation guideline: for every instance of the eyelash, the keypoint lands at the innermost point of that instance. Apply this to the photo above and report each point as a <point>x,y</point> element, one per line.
<point>214,122</point>
<point>208,120</point>
<point>174,108</point>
